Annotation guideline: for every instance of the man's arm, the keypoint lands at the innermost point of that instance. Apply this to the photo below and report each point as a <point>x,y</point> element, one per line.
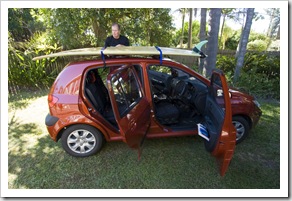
<point>127,43</point>
<point>107,42</point>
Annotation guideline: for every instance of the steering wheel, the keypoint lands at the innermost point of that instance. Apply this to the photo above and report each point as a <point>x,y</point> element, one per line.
<point>178,87</point>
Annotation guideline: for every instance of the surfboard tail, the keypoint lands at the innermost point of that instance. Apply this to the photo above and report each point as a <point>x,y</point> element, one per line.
<point>198,47</point>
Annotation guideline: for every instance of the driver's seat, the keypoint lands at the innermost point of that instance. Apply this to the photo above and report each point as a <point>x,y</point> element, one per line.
<point>166,113</point>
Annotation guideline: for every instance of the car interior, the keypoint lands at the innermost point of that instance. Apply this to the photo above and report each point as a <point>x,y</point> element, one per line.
<point>179,99</point>
<point>97,94</point>
<point>125,90</point>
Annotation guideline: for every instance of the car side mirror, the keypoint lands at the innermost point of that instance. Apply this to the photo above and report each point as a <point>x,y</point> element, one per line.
<point>220,93</point>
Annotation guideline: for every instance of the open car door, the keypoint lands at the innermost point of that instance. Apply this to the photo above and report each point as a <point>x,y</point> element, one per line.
<point>217,127</point>
<point>130,106</point>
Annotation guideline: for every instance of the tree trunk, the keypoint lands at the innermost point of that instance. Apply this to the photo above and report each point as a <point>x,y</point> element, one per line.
<point>242,27</point>
<point>222,28</point>
<point>190,28</point>
<point>278,33</point>
<point>212,48</point>
<point>202,35</point>
<point>239,43</point>
<point>98,26</point>
<point>269,32</point>
<point>182,28</point>
<point>244,41</point>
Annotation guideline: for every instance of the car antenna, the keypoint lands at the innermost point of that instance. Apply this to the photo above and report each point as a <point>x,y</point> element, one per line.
<point>198,47</point>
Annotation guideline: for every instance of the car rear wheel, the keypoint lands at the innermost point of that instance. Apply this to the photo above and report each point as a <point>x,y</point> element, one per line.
<point>242,128</point>
<point>82,140</point>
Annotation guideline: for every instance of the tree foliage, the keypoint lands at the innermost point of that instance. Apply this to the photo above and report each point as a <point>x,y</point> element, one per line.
<point>226,13</point>
<point>22,23</point>
<point>195,34</point>
<point>38,31</point>
<point>85,27</point>
<point>182,11</point>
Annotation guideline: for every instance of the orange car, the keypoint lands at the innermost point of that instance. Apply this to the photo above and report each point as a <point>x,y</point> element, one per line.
<point>130,99</point>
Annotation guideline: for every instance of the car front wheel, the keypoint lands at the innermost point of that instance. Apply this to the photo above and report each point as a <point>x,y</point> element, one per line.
<point>81,140</point>
<point>242,128</point>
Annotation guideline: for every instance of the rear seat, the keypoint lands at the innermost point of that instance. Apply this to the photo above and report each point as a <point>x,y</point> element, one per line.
<point>98,96</point>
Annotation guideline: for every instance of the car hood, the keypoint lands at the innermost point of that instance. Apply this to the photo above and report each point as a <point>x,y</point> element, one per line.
<point>236,93</point>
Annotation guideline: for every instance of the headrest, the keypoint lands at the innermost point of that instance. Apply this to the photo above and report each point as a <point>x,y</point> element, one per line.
<point>91,77</point>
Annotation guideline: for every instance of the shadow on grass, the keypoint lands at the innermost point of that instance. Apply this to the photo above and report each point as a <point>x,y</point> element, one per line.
<point>22,99</point>
<point>36,162</point>
<point>29,150</point>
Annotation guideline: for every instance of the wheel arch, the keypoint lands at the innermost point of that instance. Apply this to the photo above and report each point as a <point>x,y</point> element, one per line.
<point>246,117</point>
<point>68,126</point>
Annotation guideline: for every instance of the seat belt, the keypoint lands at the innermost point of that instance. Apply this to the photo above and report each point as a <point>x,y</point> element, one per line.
<point>92,100</point>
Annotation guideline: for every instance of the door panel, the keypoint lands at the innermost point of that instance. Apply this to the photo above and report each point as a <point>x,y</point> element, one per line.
<point>218,121</point>
<point>130,106</point>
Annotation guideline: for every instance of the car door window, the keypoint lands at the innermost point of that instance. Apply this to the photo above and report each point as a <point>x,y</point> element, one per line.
<point>126,90</point>
<point>130,106</point>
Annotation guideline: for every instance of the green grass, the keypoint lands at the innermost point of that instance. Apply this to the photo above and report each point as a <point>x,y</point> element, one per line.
<point>37,162</point>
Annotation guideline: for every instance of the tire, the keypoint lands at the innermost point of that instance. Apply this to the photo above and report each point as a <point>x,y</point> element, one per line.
<point>242,128</point>
<point>82,140</point>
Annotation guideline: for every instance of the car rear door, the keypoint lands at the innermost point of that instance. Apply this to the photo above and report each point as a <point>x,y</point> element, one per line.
<point>130,106</point>
<point>218,122</point>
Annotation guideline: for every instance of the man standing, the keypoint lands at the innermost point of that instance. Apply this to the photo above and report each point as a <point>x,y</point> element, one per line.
<point>116,39</point>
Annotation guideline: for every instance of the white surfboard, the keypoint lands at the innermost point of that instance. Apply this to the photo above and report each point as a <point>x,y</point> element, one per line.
<point>127,50</point>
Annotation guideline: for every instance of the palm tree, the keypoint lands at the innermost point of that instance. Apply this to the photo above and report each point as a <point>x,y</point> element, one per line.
<point>274,14</point>
<point>212,47</point>
<point>241,20</point>
<point>243,42</point>
<point>190,28</point>
<point>182,11</point>
<point>278,33</point>
<point>226,12</point>
<point>202,35</point>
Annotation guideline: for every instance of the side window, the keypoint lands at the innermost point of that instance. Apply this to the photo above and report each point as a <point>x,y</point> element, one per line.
<point>170,71</point>
<point>126,90</point>
<point>161,69</point>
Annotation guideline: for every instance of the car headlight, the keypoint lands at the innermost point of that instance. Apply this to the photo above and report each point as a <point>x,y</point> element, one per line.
<point>257,103</point>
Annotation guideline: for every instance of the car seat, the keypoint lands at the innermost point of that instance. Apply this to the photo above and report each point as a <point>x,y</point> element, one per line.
<point>98,96</point>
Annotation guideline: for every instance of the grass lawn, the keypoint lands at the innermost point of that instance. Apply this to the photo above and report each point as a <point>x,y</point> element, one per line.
<point>37,162</point>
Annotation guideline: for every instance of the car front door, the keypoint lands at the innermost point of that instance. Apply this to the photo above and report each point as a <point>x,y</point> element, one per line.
<point>130,106</point>
<point>218,122</point>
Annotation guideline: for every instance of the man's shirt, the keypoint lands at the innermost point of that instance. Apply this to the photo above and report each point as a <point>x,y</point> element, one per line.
<point>111,41</point>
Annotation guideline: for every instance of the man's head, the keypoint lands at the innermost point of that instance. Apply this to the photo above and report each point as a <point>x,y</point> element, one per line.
<point>116,31</point>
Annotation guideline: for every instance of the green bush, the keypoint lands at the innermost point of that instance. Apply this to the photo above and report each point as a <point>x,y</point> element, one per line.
<point>260,74</point>
<point>257,45</point>
<point>22,70</point>
<point>259,85</point>
<point>226,63</point>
